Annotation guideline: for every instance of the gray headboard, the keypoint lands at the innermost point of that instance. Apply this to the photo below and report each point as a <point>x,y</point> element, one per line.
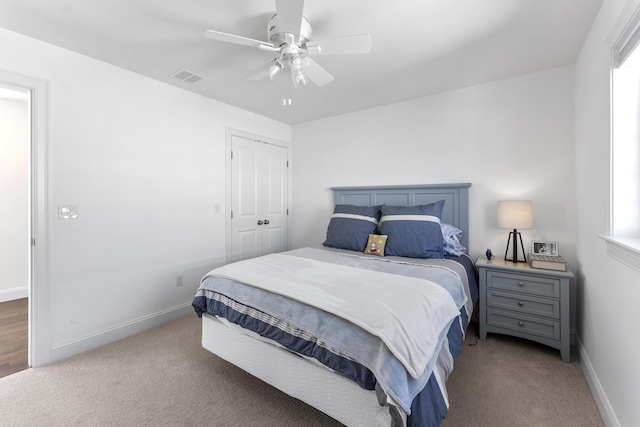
<point>456,197</point>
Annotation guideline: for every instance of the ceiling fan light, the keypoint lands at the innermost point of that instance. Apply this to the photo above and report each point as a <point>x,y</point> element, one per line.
<point>298,65</point>
<point>299,80</point>
<point>274,69</point>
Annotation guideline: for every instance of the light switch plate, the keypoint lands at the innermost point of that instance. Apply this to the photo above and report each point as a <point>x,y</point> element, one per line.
<point>67,211</point>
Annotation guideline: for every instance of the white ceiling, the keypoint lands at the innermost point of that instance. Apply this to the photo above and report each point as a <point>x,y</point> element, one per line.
<point>420,47</point>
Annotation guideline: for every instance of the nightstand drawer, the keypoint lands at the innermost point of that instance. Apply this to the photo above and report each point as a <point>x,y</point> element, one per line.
<point>524,304</point>
<point>522,283</point>
<point>546,328</point>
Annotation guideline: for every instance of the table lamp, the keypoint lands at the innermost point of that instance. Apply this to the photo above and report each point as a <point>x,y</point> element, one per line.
<point>515,214</point>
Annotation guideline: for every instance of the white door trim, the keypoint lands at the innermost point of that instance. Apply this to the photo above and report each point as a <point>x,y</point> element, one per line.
<point>229,133</point>
<point>39,292</point>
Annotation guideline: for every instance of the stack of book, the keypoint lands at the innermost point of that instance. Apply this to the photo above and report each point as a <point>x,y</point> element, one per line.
<point>548,262</point>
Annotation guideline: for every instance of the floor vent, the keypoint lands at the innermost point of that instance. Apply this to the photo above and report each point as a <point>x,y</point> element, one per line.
<point>186,76</point>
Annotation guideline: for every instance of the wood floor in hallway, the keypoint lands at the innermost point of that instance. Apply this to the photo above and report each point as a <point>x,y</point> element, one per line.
<point>14,333</point>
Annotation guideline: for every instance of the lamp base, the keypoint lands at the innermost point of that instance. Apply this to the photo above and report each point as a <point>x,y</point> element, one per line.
<point>516,234</point>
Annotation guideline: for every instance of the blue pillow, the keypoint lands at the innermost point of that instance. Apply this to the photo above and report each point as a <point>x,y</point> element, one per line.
<point>414,231</point>
<point>351,225</point>
<point>451,236</point>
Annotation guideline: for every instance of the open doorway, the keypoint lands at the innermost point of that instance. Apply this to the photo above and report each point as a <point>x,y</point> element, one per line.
<point>15,220</point>
<point>39,297</point>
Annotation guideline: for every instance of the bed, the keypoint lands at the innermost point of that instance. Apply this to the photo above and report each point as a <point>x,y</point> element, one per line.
<point>355,328</point>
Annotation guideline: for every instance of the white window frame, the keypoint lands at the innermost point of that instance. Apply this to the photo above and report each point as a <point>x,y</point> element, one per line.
<point>625,39</point>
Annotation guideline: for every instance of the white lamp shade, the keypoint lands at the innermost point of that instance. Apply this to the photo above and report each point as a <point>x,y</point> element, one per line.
<point>515,214</point>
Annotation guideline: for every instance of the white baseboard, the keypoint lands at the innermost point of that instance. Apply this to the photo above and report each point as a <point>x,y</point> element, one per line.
<point>109,335</point>
<point>14,293</point>
<point>602,402</point>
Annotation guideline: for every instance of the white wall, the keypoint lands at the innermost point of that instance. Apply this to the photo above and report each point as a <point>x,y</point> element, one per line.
<point>609,290</point>
<point>14,199</point>
<point>145,163</point>
<point>511,139</point>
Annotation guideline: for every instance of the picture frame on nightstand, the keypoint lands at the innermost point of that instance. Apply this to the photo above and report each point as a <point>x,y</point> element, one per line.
<point>544,248</point>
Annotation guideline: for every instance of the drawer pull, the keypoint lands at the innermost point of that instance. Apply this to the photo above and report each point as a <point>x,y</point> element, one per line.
<point>520,283</point>
<point>521,323</point>
<point>520,303</point>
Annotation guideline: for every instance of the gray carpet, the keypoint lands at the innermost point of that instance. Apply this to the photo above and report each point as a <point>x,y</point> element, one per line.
<point>163,377</point>
<point>508,381</point>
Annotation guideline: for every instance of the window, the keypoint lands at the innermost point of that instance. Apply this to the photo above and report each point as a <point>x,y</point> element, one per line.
<point>624,239</point>
<point>626,148</point>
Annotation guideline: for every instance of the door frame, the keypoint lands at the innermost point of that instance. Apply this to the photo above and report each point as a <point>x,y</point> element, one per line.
<point>229,134</point>
<point>39,288</point>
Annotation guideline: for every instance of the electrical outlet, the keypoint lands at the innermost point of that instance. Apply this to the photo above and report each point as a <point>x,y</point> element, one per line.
<point>179,280</point>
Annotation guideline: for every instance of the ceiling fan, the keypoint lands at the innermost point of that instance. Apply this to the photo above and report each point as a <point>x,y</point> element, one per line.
<point>289,35</point>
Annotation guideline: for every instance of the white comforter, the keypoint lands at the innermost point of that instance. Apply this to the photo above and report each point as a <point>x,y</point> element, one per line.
<point>409,315</point>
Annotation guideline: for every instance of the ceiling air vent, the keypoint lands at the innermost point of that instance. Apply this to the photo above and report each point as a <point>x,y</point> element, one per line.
<point>186,76</point>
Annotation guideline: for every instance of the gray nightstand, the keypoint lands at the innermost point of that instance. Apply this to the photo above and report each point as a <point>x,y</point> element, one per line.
<point>525,302</point>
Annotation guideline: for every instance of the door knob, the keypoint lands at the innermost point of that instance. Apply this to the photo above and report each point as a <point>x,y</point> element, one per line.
<point>266,221</point>
<point>260,222</point>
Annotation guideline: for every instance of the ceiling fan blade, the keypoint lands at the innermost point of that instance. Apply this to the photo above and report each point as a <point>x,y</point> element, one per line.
<point>290,15</point>
<point>317,74</point>
<point>358,43</point>
<point>232,38</point>
<point>260,73</point>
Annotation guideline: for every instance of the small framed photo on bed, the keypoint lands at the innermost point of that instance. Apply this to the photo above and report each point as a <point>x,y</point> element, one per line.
<point>544,248</point>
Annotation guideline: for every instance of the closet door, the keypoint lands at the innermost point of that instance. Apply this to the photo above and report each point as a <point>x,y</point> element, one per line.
<point>273,195</point>
<point>259,198</point>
